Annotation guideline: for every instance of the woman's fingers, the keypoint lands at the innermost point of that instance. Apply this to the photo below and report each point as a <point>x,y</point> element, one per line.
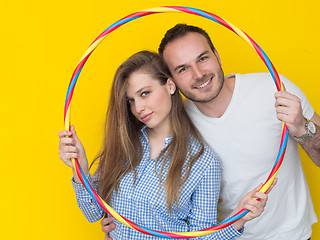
<point>67,141</point>
<point>272,185</point>
<point>74,134</point>
<point>256,207</point>
<point>69,149</point>
<point>64,133</point>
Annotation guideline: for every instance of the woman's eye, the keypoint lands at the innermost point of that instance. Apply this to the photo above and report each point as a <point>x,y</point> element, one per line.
<point>130,100</point>
<point>143,94</point>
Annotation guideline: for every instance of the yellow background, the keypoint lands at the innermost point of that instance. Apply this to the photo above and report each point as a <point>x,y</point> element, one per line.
<point>41,44</point>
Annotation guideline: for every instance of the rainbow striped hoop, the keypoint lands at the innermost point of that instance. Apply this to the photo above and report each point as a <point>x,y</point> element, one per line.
<point>77,71</point>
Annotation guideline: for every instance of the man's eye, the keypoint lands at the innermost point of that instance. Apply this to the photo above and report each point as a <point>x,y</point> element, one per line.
<point>183,69</point>
<point>203,58</point>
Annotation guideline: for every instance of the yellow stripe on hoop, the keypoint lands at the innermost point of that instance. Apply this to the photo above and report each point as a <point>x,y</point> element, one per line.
<point>241,34</point>
<point>92,47</point>
<point>161,9</point>
<point>67,119</point>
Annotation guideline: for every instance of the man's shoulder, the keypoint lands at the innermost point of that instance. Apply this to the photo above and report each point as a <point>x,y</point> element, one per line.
<point>254,76</point>
<point>192,110</point>
<point>261,81</point>
<point>188,104</point>
<point>259,76</point>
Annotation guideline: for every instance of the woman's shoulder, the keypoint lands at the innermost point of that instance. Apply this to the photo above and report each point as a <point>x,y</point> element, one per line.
<point>208,157</point>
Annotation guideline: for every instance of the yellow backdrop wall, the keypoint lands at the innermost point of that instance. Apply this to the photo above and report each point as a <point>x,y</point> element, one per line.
<point>42,42</point>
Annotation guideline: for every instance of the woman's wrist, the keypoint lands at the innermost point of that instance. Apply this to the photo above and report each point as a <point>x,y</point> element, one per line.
<point>75,175</point>
<point>239,224</point>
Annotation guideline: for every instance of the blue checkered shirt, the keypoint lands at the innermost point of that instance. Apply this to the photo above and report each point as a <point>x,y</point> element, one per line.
<point>144,202</point>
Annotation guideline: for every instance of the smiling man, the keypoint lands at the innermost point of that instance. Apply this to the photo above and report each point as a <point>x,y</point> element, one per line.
<point>240,117</point>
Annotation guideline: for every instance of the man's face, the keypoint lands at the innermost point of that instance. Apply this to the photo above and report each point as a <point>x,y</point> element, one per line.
<point>195,68</point>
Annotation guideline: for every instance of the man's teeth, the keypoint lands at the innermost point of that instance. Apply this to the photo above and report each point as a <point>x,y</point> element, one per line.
<point>204,84</point>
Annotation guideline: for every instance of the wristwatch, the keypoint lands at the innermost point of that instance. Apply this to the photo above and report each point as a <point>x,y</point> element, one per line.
<point>311,130</point>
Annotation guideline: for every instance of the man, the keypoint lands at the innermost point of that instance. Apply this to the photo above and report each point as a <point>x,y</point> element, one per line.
<point>238,117</point>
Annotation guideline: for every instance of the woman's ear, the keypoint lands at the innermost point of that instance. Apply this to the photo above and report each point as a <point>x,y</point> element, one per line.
<point>171,86</point>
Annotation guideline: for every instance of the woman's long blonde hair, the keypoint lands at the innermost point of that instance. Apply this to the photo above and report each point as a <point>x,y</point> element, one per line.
<point>122,149</point>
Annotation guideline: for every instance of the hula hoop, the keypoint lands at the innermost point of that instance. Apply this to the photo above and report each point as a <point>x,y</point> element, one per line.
<point>77,71</point>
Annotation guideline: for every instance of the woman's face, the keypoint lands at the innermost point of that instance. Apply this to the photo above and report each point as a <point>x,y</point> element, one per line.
<point>150,102</point>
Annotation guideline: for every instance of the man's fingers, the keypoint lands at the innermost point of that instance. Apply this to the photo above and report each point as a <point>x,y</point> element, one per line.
<point>107,226</point>
<point>287,95</point>
<point>106,221</point>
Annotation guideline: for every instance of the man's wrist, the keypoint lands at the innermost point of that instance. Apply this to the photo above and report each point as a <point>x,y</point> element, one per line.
<point>310,130</point>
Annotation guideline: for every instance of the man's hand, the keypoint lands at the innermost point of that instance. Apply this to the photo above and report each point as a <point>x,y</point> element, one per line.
<point>107,226</point>
<point>289,110</point>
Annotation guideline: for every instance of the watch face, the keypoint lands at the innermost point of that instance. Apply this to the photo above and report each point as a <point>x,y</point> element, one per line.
<point>312,127</point>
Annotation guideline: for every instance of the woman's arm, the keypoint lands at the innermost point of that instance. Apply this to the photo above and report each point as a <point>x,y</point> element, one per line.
<point>89,207</point>
<point>70,147</point>
<point>204,204</point>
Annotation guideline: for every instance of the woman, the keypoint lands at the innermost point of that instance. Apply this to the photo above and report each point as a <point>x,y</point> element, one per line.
<point>154,169</point>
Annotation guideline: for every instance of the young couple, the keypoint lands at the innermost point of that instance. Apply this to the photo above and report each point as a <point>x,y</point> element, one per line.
<point>156,170</point>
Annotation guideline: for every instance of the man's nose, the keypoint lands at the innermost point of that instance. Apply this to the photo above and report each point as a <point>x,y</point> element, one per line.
<point>197,72</point>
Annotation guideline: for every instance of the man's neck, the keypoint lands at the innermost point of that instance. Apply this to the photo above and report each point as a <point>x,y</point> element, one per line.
<point>217,106</point>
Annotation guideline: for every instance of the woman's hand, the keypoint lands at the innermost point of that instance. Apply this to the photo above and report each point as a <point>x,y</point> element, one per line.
<point>256,207</point>
<point>71,147</point>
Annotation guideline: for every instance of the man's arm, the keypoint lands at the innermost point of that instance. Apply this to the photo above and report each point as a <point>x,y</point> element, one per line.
<point>312,145</point>
<point>289,110</point>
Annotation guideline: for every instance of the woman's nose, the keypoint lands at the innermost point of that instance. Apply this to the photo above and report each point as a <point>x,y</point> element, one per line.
<point>139,105</point>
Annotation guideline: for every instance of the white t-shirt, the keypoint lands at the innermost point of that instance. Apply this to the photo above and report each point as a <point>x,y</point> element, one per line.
<point>247,138</point>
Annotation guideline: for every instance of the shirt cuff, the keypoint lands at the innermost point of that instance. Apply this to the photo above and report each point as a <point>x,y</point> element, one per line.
<point>78,187</point>
<point>234,232</point>
<point>241,230</point>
